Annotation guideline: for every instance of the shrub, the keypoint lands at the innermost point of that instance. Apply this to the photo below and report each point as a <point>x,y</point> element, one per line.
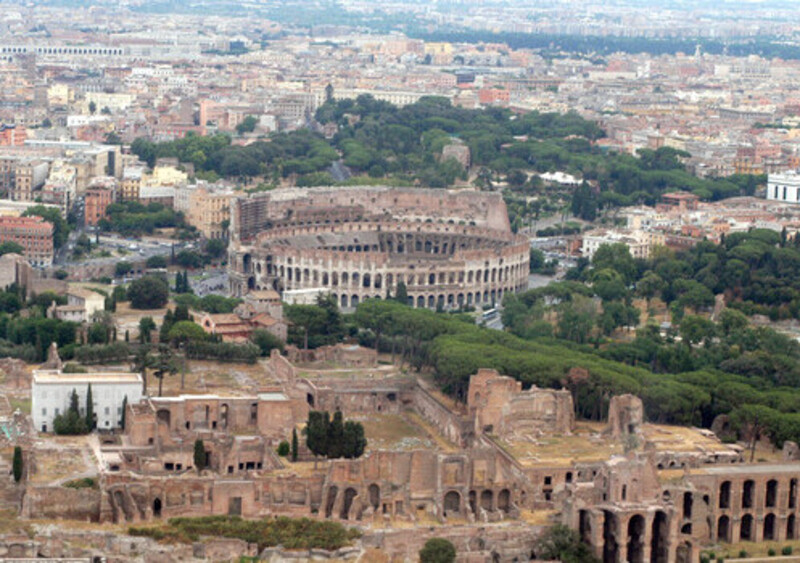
<point>149,292</point>
<point>283,448</point>
<point>742,554</point>
<point>84,483</point>
<point>69,424</point>
<point>291,533</point>
<point>771,552</point>
<point>437,550</point>
<point>787,550</point>
<point>223,351</point>
<point>265,341</point>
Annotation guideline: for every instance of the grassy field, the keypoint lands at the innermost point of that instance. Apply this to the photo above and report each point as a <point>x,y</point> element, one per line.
<point>395,432</point>
<point>23,404</point>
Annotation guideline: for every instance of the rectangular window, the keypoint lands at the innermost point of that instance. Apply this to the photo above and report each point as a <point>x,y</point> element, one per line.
<point>107,411</point>
<point>44,412</point>
<point>57,412</point>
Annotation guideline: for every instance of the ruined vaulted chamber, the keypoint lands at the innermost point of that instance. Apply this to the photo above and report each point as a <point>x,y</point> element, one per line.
<point>449,248</point>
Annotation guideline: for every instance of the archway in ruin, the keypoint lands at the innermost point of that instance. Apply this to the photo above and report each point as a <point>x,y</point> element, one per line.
<point>636,527</point>
<point>332,492</point>
<point>374,496</point>
<point>504,501</point>
<point>659,551</point>
<point>723,529</point>
<point>610,547</point>
<point>349,495</point>
<point>746,533</point>
<point>452,503</point>
<point>486,500</point>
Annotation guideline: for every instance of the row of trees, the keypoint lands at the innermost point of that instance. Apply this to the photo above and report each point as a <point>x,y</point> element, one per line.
<point>743,365</point>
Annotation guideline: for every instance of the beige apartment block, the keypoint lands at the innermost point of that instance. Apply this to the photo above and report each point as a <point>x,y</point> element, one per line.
<point>209,210</point>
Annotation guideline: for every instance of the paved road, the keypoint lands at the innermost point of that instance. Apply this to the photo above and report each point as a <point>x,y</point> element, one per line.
<point>216,283</point>
<point>143,249</point>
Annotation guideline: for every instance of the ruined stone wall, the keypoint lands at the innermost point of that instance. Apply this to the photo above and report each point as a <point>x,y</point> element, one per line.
<point>282,369</point>
<point>135,498</point>
<point>344,355</point>
<point>501,407</point>
<point>512,542</point>
<point>381,399</point>
<point>59,502</point>
<point>625,416</point>
<point>455,428</point>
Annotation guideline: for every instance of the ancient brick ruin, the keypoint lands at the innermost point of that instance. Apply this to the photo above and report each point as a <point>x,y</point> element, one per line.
<point>489,475</point>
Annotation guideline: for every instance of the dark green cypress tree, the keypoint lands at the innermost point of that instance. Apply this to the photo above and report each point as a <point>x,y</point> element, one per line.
<point>124,412</point>
<point>74,406</point>
<point>199,455</point>
<point>90,423</point>
<point>336,436</point>
<point>294,444</point>
<point>316,433</point>
<point>17,464</point>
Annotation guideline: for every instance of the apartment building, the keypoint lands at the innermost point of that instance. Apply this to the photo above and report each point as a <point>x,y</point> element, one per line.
<point>33,234</point>
<point>209,210</point>
<point>131,182</point>
<point>639,243</point>
<point>99,195</point>
<point>12,135</point>
<point>29,176</point>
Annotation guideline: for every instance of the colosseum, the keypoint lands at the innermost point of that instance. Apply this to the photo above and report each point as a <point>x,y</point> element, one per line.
<point>450,248</point>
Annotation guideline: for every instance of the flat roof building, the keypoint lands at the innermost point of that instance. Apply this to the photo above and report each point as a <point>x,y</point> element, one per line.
<point>33,234</point>
<point>52,388</point>
<point>784,187</point>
